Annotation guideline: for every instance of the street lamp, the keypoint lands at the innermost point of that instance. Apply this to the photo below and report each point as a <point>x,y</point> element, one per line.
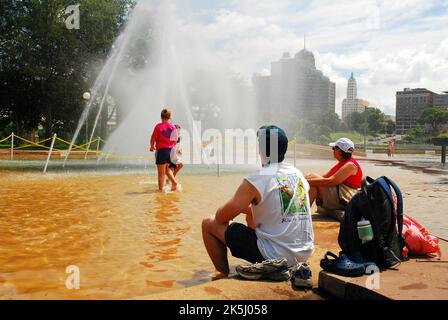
<point>86,96</point>
<point>365,104</point>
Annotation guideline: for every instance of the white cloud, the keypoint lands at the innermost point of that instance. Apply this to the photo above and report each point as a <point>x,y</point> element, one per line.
<point>389,45</point>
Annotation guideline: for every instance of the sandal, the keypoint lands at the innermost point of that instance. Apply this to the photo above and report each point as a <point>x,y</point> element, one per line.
<point>342,265</point>
<point>370,267</point>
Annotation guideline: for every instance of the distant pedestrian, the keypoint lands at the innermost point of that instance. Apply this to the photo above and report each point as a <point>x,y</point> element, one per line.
<point>391,148</point>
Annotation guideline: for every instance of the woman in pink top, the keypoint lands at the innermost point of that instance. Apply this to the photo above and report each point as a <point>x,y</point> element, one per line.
<point>163,140</point>
<point>335,189</point>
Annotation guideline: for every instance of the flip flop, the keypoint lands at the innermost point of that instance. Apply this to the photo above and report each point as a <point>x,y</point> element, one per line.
<point>342,265</point>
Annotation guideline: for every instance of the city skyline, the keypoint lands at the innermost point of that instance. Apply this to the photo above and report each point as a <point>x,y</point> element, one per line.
<point>388,45</point>
<point>295,86</point>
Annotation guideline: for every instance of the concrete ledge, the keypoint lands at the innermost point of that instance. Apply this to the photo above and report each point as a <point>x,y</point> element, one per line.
<point>237,289</point>
<point>417,279</point>
<point>342,288</point>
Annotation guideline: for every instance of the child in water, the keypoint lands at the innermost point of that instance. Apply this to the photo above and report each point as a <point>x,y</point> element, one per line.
<point>175,161</point>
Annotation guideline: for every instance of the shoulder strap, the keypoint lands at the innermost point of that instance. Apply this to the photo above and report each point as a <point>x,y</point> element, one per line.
<point>366,186</point>
<point>399,203</point>
<point>386,188</point>
<point>365,182</point>
<point>386,184</point>
<point>398,193</point>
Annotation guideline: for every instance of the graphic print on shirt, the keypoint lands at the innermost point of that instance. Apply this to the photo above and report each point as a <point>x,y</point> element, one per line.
<point>293,196</point>
<point>167,133</point>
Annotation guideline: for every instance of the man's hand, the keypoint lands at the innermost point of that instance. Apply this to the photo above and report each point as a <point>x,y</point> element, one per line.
<point>152,149</point>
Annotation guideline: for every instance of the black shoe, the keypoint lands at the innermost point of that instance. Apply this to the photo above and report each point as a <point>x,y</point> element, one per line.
<point>302,276</point>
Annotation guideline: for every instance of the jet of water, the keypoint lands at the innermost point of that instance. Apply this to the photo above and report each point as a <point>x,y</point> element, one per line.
<point>163,61</point>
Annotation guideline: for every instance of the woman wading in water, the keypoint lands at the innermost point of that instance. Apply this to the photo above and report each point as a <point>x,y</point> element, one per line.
<point>163,140</point>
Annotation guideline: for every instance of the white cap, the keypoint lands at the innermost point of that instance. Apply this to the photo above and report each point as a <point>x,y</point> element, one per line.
<point>344,144</point>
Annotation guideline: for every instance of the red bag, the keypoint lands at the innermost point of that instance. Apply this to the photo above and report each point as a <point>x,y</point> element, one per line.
<point>418,240</point>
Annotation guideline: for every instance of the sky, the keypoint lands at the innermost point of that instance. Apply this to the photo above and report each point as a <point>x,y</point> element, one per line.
<point>388,44</point>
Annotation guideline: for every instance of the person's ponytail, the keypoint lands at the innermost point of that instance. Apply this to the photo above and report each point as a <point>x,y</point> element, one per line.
<point>346,155</point>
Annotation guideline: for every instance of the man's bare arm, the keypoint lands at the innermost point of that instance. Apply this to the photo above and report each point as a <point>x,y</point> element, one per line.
<point>250,217</point>
<point>239,203</point>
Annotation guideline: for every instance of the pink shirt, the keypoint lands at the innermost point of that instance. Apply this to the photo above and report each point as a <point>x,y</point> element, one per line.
<point>165,134</point>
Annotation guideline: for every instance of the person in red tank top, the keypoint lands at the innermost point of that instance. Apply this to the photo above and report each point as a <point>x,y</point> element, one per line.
<point>335,189</point>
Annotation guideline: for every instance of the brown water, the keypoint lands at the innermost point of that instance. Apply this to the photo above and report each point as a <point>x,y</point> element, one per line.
<point>127,239</point>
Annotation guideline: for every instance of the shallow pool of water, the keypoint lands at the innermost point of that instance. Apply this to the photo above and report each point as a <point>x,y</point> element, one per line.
<point>126,238</point>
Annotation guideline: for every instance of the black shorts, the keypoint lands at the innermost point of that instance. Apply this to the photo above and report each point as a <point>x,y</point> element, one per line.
<point>172,165</point>
<point>163,156</point>
<point>242,242</point>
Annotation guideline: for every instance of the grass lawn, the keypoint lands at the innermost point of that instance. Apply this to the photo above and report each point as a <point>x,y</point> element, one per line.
<point>354,136</point>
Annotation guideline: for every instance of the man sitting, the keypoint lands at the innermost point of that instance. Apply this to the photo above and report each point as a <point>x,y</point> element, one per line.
<point>277,207</point>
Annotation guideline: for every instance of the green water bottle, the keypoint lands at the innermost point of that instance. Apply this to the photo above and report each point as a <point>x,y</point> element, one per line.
<point>365,231</point>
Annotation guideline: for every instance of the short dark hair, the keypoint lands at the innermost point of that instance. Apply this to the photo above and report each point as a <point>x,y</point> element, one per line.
<point>276,133</point>
<point>166,114</point>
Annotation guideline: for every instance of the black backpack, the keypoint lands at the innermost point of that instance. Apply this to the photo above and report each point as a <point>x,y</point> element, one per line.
<point>375,202</point>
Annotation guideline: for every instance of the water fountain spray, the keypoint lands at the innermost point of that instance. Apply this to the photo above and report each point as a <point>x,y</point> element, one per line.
<point>162,61</point>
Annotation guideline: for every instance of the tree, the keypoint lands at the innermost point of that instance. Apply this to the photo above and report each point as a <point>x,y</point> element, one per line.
<point>375,118</point>
<point>390,126</point>
<point>434,117</point>
<point>332,121</point>
<point>44,66</point>
<point>354,121</point>
<point>414,135</point>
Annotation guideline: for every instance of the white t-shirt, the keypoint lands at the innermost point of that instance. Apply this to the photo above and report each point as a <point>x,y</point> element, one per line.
<point>283,217</point>
<point>175,154</point>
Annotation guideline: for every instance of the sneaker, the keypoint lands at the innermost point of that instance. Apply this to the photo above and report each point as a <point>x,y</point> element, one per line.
<point>301,276</point>
<point>276,270</point>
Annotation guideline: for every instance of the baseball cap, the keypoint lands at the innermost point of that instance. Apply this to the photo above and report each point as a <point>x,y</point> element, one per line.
<point>268,134</point>
<point>344,144</point>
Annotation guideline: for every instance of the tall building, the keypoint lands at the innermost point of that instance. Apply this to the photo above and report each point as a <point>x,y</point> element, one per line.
<point>409,107</point>
<point>352,104</point>
<point>294,89</point>
<point>441,100</point>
